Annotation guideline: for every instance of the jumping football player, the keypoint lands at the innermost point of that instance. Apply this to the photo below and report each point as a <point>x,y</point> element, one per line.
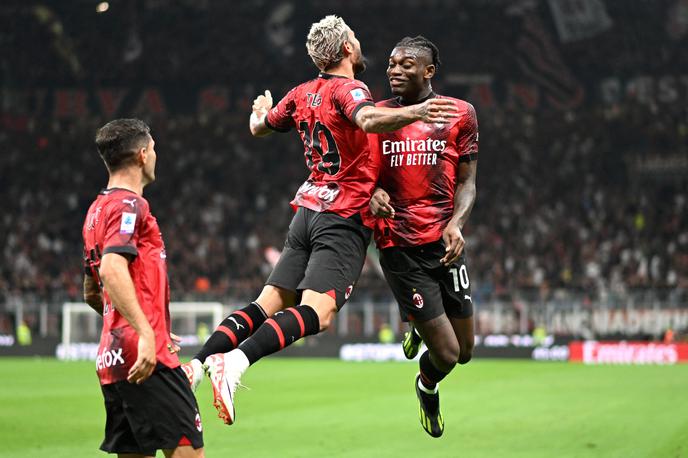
<point>425,194</point>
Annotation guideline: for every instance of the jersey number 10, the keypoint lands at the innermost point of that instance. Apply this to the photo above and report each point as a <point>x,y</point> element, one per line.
<point>460,276</point>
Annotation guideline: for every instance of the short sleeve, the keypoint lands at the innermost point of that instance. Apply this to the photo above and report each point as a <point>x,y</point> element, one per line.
<point>123,225</point>
<point>467,138</point>
<point>351,97</point>
<point>279,118</point>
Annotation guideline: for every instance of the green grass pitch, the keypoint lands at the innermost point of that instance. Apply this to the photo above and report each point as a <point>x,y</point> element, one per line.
<point>329,408</point>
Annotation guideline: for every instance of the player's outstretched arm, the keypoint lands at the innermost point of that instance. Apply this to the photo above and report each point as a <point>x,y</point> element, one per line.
<point>92,294</point>
<point>261,105</point>
<point>382,119</point>
<point>114,273</point>
<point>464,197</point>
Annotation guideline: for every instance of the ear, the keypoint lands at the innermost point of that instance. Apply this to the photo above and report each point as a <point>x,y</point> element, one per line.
<point>429,71</point>
<point>142,155</point>
<point>347,47</point>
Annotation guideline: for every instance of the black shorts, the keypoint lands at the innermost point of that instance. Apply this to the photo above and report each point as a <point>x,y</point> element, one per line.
<point>324,252</point>
<point>423,287</point>
<point>161,413</point>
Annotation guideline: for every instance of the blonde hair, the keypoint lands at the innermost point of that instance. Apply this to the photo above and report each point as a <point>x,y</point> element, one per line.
<point>325,40</point>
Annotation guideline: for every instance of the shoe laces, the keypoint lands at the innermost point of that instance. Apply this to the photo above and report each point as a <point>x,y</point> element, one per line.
<point>235,376</point>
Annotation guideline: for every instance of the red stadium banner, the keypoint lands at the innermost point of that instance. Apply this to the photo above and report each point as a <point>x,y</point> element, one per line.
<point>593,352</point>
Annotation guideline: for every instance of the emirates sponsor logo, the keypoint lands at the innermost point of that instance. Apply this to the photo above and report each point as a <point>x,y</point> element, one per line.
<point>109,358</point>
<point>413,146</point>
<point>629,353</point>
<point>418,300</point>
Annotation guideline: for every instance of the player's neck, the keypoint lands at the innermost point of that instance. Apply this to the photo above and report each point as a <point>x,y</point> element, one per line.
<point>413,99</point>
<point>344,68</point>
<point>129,179</point>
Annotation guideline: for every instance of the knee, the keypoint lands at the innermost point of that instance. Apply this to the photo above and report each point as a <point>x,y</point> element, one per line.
<point>466,352</point>
<point>273,299</point>
<point>323,304</point>
<point>446,358</point>
<point>325,316</point>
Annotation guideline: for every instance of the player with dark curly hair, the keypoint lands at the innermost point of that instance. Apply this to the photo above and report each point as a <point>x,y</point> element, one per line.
<point>425,194</point>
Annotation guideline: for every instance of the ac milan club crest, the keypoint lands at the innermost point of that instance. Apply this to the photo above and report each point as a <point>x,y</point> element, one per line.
<point>348,291</point>
<point>418,300</point>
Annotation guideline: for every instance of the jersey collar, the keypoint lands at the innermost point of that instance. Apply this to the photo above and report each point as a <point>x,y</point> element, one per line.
<point>328,76</point>
<point>432,95</point>
<point>107,191</point>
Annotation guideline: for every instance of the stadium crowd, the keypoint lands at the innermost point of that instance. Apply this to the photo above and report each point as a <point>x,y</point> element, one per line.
<point>564,203</point>
<point>556,207</point>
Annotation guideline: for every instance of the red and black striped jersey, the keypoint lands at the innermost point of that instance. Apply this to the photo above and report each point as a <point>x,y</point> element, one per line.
<point>418,171</point>
<point>120,221</point>
<point>343,171</point>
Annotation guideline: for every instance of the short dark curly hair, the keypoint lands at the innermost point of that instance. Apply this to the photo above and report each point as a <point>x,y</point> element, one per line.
<point>423,43</point>
<point>119,140</point>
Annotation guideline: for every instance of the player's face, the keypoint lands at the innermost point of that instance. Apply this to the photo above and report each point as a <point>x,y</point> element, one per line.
<point>149,163</point>
<point>409,71</point>
<point>358,59</point>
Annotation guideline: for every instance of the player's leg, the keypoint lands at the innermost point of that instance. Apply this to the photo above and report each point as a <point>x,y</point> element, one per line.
<point>313,315</point>
<point>240,324</point>
<point>449,338</point>
<point>234,329</point>
<point>435,364</point>
<point>420,301</point>
<point>458,304</point>
<point>225,369</point>
<point>337,252</point>
<point>278,293</point>
<point>442,352</point>
<point>465,334</point>
<point>338,249</point>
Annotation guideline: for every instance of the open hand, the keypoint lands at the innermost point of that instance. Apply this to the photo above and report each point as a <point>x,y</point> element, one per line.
<point>438,111</point>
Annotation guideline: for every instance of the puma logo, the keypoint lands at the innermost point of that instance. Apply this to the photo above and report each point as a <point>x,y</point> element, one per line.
<point>467,297</point>
<point>129,202</point>
<point>236,323</point>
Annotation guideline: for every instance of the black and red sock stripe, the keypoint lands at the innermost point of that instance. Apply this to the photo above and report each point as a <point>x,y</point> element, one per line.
<point>429,374</point>
<point>283,329</point>
<point>233,330</point>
